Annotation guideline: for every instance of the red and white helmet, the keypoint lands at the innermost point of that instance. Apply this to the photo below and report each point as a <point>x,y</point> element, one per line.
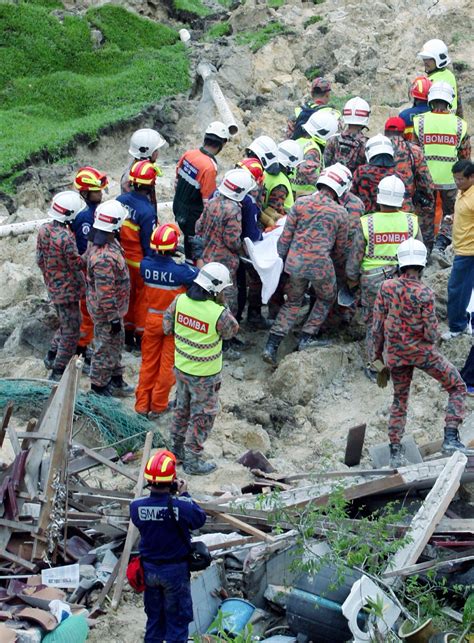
<point>441,91</point>
<point>109,216</point>
<point>161,467</point>
<point>65,206</point>
<point>290,154</point>
<point>144,142</point>
<point>378,144</point>
<point>420,88</point>
<point>214,277</point>
<point>323,124</point>
<point>391,191</point>
<point>356,112</point>
<point>266,150</point>
<point>165,238</point>
<point>437,50</point>
<point>335,177</point>
<point>236,184</point>
<point>254,167</point>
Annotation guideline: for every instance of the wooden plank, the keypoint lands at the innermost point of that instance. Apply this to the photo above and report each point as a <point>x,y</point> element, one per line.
<point>17,525</point>
<point>115,467</point>
<point>429,514</point>
<point>132,532</point>
<point>86,462</point>
<point>14,441</point>
<point>243,526</point>
<point>430,448</point>
<point>5,420</point>
<point>455,526</point>
<point>354,445</point>
<point>462,557</point>
<point>25,445</point>
<point>236,542</point>
<point>18,560</point>
<point>97,609</point>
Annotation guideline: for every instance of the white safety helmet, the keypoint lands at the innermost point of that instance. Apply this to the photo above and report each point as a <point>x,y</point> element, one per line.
<point>66,205</point>
<point>441,91</point>
<point>378,144</point>
<point>323,124</point>
<point>217,130</point>
<point>391,191</point>
<point>411,252</point>
<point>214,277</point>
<point>356,112</point>
<point>437,50</point>
<point>266,150</point>
<point>335,177</point>
<point>144,142</point>
<point>347,173</point>
<point>236,184</point>
<point>109,216</point>
<point>290,154</point>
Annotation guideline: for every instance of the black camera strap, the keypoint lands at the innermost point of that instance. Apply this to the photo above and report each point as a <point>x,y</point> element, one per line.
<point>178,526</point>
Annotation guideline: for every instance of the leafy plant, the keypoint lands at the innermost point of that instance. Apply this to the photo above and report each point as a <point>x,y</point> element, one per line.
<point>195,7</point>
<point>218,626</point>
<point>312,21</point>
<point>219,30</point>
<point>257,39</point>
<point>467,617</point>
<point>275,4</point>
<point>312,72</point>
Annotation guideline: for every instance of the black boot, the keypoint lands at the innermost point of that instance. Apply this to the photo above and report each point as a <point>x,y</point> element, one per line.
<point>195,465</point>
<point>119,387</point>
<point>452,442</point>
<point>129,340</point>
<point>270,351</point>
<point>49,358</point>
<point>81,350</point>
<point>312,341</point>
<point>105,391</point>
<point>55,375</point>
<point>397,458</point>
<point>256,320</point>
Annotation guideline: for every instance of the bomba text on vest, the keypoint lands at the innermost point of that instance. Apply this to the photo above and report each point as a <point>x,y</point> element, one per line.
<point>390,237</point>
<point>192,322</point>
<point>441,139</point>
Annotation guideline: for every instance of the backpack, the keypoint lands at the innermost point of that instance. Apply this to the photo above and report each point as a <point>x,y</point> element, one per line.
<point>303,116</point>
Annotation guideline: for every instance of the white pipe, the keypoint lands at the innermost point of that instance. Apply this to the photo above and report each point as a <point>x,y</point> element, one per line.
<point>206,72</point>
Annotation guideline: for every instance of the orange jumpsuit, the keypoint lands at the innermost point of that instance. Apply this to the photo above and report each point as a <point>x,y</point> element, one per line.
<point>164,279</point>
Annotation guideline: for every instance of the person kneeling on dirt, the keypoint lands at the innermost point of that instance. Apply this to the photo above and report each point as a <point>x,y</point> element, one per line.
<point>404,336</point>
<point>164,547</point>
<point>200,322</point>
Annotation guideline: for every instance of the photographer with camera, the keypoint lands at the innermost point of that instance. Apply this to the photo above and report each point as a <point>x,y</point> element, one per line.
<point>164,520</point>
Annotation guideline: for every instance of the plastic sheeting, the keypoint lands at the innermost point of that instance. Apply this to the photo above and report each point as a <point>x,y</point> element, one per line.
<point>265,259</point>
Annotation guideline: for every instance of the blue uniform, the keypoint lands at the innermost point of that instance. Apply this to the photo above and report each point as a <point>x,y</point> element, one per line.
<point>250,214</point>
<point>82,225</point>
<point>162,271</point>
<point>143,215</point>
<point>167,597</point>
<point>408,114</point>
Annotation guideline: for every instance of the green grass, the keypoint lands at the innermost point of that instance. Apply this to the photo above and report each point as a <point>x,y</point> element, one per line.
<point>257,39</point>
<point>312,72</point>
<point>54,85</point>
<point>194,7</point>
<point>275,4</point>
<point>312,21</point>
<point>219,30</point>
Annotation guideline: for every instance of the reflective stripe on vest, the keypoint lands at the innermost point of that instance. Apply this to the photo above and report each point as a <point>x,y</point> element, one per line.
<point>272,181</point>
<point>130,242</point>
<point>198,346</point>
<point>447,76</point>
<point>440,136</point>
<point>383,233</point>
<point>306,145</point>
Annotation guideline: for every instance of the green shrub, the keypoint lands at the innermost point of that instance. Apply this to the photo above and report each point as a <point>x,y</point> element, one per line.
<point>54,85</point>
<point>312,21</point>
<point>312,72</point>
<point>218,30</point>
<point>257,39</point>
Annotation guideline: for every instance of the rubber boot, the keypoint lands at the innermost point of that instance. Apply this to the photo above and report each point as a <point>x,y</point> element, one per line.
<point>194,465</point>
<point>270,351</point>
<point>101,390</point>
<point>312,341</point>
<point>129,340</point>
<point>55,375</point>
<point>178,449</point>
<point>120,388</point>
<point>256,320</point>
<point>49,358</point>
<point>138,343</point>
<point>452,442</point>
<point>397,458</point>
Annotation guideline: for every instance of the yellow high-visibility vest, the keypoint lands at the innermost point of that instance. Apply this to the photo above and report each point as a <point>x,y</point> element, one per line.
<point>384,232</point>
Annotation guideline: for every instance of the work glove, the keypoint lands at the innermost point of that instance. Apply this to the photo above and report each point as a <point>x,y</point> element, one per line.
<point>383,373</point>
<point>115,327</point>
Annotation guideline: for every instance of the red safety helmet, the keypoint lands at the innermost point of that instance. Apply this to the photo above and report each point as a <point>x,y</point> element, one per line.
<point>161,467</point>
<point>420,87</point>
<point>165,237</point>
<point>90,179</point>
<point>143,173</point>
<point>254,167</point>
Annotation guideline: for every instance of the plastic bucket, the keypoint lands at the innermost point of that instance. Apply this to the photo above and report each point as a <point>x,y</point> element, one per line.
<point>236,613</point>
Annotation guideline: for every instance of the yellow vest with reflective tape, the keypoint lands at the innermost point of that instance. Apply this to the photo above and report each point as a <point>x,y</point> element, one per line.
<point>440,136</point>
<point>272,181</point>
<point>384,232</point>
<point>306,145</point>
<point>446,76</point>
<point>198,346</point>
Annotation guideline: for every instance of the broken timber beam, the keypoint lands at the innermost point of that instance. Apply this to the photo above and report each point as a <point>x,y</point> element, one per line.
<point>240,524</point>
<point>96,455</point>
<point>429,514</point>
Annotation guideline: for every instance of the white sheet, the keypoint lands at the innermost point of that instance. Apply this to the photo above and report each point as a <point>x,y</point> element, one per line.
<point>264,257</point>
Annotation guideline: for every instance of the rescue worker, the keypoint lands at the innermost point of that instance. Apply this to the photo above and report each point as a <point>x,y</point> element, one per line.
<point>264,150</point>
<point>200,322</point>
<point>62,268</point>
<point>220,227</point>
<point>349,147</point>
<point>353,205</point>
<point>461,279</point>
<point>312,245</point>
<point>410,166</point>
<point>373,255</point>
<point>135,237</point>
<point>164,549</point>
<point>108,292</point>
<point>144,146</point>
<point>419,93</point>
<point>196,175</point>
<point>278,191</point>
<point>319,128</point>
<point>317,101</point>
<point>404,336</point>
<point>444,139</point>
<point>380,163</point>
<point>436,60</point>
<point>165,278</point>
<point>91,184</point>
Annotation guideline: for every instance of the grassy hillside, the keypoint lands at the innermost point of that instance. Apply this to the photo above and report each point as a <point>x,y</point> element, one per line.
<point>54,84</point>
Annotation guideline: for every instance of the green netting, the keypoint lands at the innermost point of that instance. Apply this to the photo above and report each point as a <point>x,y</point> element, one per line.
<point>115,423</point>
